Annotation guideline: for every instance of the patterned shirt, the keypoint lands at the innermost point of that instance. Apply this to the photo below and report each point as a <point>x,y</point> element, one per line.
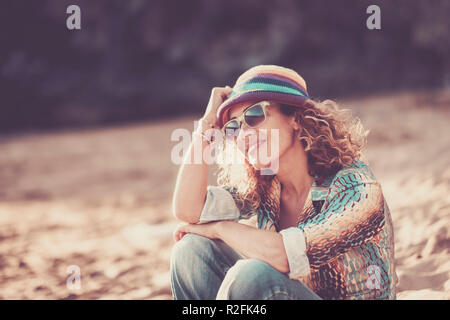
<point>342,247</point>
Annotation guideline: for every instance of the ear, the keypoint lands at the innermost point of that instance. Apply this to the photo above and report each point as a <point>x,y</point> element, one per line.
<point>293,123</point>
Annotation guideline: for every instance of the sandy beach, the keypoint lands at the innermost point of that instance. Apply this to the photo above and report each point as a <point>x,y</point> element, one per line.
<point>99,199</point>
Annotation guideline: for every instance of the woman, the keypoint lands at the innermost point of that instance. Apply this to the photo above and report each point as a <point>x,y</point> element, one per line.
<point>324,229</point>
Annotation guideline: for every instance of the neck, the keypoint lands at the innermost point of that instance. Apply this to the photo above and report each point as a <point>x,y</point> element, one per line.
<point>293,172</point>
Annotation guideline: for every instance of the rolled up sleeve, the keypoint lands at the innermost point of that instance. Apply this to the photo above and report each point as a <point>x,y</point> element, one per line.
<point>295,246</point>
<point>219,205</point>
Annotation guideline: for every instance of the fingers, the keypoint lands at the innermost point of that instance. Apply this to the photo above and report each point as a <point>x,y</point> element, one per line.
<point>226,92</point>
<point>178,235</point>
<point>226,88</point>
<point>218,96</point>
<point>175,235</point>
<point>221,93</point>
<point>180,231</point>
<point>222,90</point>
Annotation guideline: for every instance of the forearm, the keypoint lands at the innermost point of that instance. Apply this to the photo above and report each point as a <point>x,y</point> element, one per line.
<point>192,180</point>
<point>191,186</point>
<point>255,243</point>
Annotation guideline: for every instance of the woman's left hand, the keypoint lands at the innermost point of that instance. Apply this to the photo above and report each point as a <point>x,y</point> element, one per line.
<point>208,230</point>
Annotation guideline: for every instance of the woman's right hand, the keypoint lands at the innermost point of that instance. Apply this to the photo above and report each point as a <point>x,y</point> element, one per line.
<point>218,96</point>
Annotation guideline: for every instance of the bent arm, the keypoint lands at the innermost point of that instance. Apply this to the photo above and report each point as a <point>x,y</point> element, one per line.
<point>353,216</point>
<point>255,243</point>
<point>190,189</point>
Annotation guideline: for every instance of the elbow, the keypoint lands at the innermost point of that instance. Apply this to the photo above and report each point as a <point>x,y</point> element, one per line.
<point>280,262</point>
<point>188,216</point>
<point>282,265</point>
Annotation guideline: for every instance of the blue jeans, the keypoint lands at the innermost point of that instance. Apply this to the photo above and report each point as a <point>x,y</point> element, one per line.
<point>205,269</point>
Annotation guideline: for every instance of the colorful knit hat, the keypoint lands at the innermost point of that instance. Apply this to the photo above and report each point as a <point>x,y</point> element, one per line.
<point>265,82</point>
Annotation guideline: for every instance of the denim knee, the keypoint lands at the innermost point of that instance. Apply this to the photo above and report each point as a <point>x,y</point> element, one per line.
<point>190,248</point>
<point>245,280</point>
<point>190,268</point>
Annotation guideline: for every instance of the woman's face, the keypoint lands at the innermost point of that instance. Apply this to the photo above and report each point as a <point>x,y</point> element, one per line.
<point>265,144</point>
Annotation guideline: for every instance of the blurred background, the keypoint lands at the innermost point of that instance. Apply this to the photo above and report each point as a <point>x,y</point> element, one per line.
<point>86,115</point>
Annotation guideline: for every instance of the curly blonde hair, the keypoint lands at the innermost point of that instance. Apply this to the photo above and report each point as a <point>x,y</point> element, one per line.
<point>331,137</point>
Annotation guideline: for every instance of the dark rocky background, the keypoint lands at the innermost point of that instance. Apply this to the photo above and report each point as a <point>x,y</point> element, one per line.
<point>98,195</point>
<point>138,60</point>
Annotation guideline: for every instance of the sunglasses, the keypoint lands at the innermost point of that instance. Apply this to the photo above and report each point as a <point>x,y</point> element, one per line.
<point>253,116</point>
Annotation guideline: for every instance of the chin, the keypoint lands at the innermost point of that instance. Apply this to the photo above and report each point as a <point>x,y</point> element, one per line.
<point>269,168</point>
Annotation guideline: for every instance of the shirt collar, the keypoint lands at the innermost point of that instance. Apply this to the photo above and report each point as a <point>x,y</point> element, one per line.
<point>318,192</point>
<point>271,209</point>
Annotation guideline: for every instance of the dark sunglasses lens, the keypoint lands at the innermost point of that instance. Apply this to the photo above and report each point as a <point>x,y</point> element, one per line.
<point>254,116</point>
<point>231,129</point>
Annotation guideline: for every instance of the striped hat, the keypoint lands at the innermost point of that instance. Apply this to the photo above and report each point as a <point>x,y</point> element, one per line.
<point>265,82</point>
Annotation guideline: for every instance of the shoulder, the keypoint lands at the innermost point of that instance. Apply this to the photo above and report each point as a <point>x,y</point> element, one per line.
<point>358,171</point>
<point>356,175</point>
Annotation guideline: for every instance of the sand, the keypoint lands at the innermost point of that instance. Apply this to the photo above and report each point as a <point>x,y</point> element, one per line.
<point>99,200</point>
